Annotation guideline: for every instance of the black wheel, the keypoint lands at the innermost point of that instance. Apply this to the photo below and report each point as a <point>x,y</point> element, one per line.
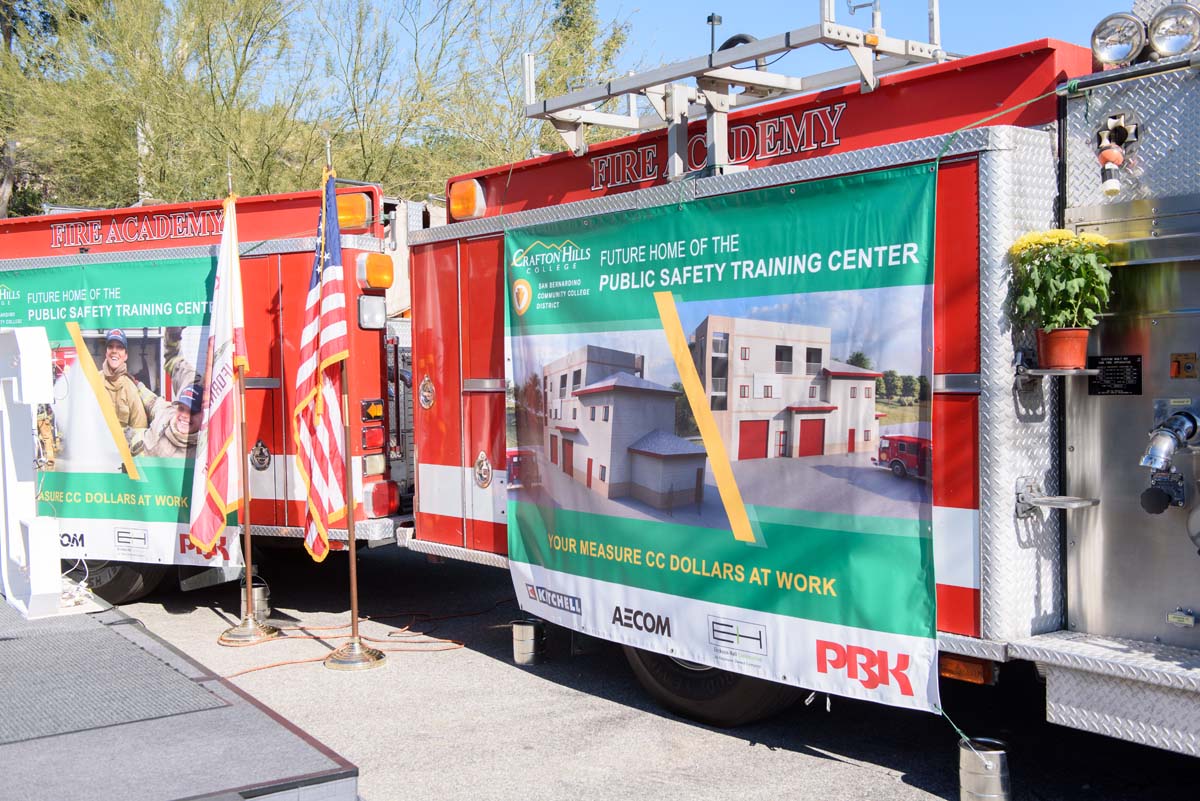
<point>117,582</point>
<point>706,694</point>
<point>898,470</point>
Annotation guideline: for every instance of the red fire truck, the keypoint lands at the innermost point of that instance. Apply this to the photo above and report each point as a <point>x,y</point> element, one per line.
<point>1015,542</point>
<point>905,456</point>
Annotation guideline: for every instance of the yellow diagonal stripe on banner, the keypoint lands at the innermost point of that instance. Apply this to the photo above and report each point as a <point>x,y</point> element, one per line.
<point>106,408</point>
<point>731,496</point>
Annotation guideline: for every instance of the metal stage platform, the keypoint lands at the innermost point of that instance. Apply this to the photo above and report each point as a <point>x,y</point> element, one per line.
<point>94,706</point>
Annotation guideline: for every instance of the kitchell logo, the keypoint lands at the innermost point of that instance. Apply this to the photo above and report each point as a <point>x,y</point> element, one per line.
<point>556,600</point>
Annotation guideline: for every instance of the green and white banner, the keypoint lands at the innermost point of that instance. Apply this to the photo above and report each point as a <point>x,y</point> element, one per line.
<point>698,398</point>
<point>116,447</point>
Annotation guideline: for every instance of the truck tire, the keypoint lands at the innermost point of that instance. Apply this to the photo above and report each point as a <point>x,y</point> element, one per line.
<point>706,694</point>
<point>118,582</point>
<point>898,469</point>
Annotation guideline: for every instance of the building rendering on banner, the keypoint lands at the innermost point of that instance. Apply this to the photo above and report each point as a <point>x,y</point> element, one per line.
<point>612,430</point>
<point>775,391</point>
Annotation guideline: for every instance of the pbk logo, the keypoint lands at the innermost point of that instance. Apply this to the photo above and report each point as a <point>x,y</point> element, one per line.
<point>185,545</point>
<point>868,667</point>
<point>69,540</point>
<point>557,600</point>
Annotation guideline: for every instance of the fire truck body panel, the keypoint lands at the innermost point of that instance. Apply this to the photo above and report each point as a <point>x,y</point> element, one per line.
<point>923,102</point>
<point>277,246</point>
<point>980,163</point>
<point>1013,75</point>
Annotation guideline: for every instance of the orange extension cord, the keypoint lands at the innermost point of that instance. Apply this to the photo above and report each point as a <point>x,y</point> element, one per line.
<point>413,638</point>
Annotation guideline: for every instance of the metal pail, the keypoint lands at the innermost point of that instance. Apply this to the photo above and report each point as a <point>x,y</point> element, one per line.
<point>983,770</point>
<point>262,600</point>
<point>529,641</point>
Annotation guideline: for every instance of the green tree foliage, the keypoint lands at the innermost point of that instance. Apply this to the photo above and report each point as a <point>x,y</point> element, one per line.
<point>580,52</point>
<point>908,386</point>
<point>860,359</point>
<point>923,392</point>
<point>685,421</point>
<point>891,383</point>
<point>119,101</point>
<point>27,32</point>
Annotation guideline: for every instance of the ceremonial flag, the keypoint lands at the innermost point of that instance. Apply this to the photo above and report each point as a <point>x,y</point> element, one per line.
<point>216,484</point>
<point>317,422</point>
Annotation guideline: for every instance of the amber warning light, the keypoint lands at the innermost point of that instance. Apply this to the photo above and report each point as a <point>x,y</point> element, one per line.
<point>375,271</point>
<point>466,200</point>
<point>354,212</point>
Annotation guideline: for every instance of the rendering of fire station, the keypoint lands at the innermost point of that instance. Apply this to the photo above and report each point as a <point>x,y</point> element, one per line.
<point>773,388</point>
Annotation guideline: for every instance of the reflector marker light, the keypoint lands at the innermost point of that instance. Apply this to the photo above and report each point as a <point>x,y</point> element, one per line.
<point>372,410</point>
<point>372,438</point>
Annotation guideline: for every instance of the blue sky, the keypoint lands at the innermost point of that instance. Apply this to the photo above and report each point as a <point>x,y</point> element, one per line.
<point>663,31</point>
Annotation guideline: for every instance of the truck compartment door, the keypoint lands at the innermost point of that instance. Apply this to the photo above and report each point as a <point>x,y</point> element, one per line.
<point>483,393</point>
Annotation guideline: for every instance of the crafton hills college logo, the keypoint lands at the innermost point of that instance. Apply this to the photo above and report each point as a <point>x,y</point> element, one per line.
<point>522,296</point>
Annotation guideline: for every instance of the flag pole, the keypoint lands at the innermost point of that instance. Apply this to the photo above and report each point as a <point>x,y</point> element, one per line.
<point>352,655</point>
<point>249,630</point>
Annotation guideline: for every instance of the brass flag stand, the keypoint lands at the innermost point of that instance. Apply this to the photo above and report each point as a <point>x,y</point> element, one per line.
<point>352,655</point>
<point>249,631</point>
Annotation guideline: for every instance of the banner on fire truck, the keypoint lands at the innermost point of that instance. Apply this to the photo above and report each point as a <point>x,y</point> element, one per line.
<point>694,412</point>
<point>117,445</point>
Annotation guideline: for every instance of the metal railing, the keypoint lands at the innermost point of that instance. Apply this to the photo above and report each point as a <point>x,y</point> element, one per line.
<point>783,368</point>
<point>718,384</point>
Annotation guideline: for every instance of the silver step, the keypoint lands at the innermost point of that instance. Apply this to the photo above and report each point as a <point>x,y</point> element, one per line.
<point>1128,689</point>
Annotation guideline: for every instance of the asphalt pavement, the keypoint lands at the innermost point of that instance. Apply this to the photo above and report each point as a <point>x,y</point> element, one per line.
<point>466,723</point>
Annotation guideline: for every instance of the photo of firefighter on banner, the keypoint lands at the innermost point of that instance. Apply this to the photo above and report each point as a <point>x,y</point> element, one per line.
<point>123,447</point>
<point>720,431</point>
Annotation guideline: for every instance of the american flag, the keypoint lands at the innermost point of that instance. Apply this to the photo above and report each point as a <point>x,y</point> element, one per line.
<point>317,422</point>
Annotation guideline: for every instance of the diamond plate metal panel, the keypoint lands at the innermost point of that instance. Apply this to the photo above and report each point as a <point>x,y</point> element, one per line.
<point>1128,710</point>
<point>266,247</point>
<point>455,552</point>
<point>970,646</point>
<point>1131,660</point>
<point>380,528</point>
<point>1163,165</point>
<point>928,149</point>
<point>1020,560</point>
<point>1148,8</point>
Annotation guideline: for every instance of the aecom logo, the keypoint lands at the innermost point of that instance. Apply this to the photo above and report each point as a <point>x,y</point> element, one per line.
<point>642,621</point>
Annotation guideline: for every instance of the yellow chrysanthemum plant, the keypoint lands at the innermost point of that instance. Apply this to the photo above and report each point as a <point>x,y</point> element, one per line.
<point>1060,287</point>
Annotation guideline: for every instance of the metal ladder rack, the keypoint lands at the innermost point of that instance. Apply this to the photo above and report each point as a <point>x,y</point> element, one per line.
<point>873,52</point>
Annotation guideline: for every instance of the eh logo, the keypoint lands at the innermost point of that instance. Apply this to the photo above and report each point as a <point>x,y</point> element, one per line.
<point>868,667</point>
<point>185,545</point>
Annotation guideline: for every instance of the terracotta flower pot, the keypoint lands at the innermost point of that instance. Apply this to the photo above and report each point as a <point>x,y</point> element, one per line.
<point>1063,348</point>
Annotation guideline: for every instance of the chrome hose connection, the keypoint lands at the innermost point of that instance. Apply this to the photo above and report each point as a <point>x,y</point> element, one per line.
<point>1167,438</point>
